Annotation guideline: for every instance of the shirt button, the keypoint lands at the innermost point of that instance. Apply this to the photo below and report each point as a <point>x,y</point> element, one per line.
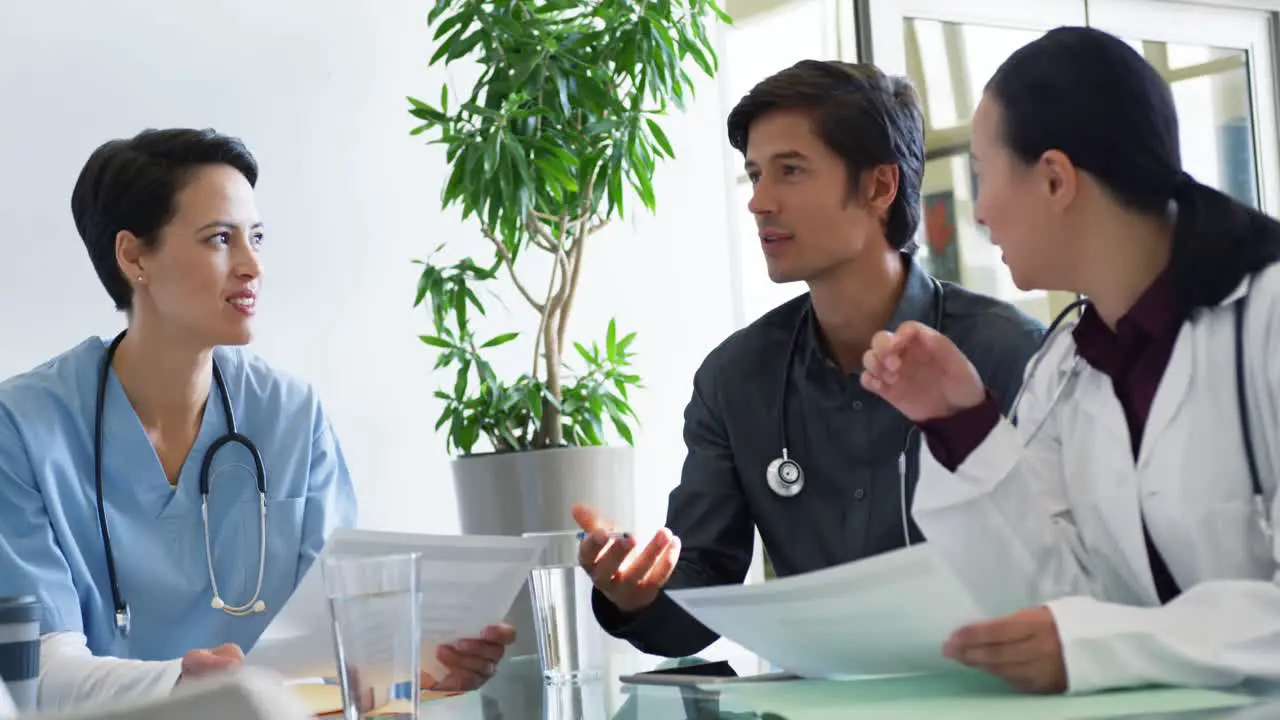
<point>859,494</point>
<point>857,404</point>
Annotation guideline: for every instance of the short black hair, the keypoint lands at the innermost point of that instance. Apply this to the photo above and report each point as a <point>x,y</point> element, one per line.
<point>1091,96</point>
<point>865,116</point>
<point>131,184</point>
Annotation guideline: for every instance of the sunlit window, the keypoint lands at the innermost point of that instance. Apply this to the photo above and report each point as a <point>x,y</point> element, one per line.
<point>759,45</point>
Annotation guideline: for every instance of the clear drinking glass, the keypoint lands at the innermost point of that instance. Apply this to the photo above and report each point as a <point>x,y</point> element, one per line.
<point>377,633</point>
<point>571,645</point>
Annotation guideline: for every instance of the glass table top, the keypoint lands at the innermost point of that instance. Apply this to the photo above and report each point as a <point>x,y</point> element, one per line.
<point>517,692</point>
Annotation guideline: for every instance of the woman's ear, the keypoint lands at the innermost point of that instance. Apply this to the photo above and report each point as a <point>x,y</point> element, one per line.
<point>129,255</point>
<point>1060,176</point>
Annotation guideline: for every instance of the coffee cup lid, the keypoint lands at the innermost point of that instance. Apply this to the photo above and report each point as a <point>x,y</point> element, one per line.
<point>21,609</point>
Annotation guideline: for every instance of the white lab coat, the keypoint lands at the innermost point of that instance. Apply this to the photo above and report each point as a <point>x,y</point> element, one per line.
<point>1060,522</point>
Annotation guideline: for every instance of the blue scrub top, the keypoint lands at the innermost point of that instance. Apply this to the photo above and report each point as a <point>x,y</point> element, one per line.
<point>50,540</point>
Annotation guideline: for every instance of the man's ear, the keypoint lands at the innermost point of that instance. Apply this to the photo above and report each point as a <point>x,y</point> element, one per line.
<point>880,187</point>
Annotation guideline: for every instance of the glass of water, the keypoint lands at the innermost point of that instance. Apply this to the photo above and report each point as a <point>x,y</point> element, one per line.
<point>571,645</point>
<point>377,633</point>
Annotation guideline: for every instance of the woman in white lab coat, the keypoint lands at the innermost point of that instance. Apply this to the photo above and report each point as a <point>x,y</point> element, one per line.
<point>1120,520</point>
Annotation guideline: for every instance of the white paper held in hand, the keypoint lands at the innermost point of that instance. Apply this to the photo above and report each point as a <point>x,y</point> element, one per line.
<point>886,615</point>
<point>467,582</point>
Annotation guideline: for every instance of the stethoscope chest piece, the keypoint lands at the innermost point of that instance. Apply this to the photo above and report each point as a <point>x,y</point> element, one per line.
<point>785,476</point>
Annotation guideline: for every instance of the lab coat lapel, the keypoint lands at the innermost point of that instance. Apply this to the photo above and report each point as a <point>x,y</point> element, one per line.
<point>1109,477</point>
<point>1170,394</point>
<point>1106,411</point>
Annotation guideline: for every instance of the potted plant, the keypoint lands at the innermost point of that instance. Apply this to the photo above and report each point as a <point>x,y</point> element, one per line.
<point>558,136</point>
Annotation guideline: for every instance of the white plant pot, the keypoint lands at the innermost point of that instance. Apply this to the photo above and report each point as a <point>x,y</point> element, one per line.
<point>534,491</point>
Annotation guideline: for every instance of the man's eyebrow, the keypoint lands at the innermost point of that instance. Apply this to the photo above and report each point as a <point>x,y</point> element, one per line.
<point>780,155</point>
<point>226,225</point>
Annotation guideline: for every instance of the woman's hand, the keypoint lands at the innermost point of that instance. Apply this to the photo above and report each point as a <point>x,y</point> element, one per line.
<point>921,373</point>
<point>201,663</point>
<point>1023,648</point>
<point>472,661</point>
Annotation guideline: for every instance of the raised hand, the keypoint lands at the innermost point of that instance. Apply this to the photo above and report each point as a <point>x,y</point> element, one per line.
<point>921,373</point>
<point>629,577</point>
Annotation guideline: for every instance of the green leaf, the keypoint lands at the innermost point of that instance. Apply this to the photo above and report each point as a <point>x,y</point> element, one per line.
<point>660,137</point>
<point>460,380</point>
<point>622,429</point>
<point>500,340</point>
<point>563,117</point>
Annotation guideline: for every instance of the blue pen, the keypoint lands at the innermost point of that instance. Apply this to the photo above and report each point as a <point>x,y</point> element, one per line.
<point>616,535</point>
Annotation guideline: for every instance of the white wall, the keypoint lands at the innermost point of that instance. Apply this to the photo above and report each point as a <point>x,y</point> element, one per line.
<point>317,91</point>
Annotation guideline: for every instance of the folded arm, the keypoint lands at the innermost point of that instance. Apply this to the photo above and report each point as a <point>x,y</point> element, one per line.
<point>71,677</point>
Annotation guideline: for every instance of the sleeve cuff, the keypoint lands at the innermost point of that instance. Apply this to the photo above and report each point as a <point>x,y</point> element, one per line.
<point>646,629</point>
<point>953,439</point>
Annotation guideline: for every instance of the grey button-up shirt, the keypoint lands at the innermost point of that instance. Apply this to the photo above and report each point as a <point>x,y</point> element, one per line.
<point>847,440</point>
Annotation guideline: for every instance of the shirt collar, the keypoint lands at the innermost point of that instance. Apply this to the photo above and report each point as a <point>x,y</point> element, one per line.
<point>1153,316</point>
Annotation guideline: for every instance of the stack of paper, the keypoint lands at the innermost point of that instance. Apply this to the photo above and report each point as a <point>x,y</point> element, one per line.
<point>467,582</point>
<point>887,615</point>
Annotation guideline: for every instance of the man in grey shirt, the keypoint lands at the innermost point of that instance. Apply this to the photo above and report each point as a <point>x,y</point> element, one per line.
<point>836,154</point>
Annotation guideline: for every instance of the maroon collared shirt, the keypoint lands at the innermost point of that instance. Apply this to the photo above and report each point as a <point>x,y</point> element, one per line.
<point>1134,356</point>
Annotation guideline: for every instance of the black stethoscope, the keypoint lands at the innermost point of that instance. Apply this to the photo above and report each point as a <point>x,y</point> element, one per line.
<point>784,475</point>
<point>255,604</point>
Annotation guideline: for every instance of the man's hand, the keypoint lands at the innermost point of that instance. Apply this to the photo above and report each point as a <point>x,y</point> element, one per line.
<point>472,661</point>
<point>1023,648</point>
<point>201,663</point>
<point>630,579</point>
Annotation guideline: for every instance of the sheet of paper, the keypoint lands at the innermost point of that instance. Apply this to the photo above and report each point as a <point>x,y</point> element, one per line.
<point>467,582</point>
<point>886,615</point>
<point>960,696</point>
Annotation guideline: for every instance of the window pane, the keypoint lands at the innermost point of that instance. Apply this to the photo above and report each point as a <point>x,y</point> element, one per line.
<point>952,245</point>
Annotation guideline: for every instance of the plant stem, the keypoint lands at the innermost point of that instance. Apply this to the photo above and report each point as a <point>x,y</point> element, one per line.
<point>511,269</point>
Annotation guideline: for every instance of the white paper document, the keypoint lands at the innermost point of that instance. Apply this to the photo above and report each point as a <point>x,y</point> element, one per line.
<point>466,582</point>
<point>886,615</point>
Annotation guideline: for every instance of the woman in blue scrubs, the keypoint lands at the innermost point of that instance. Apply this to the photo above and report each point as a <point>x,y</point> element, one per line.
<point>102,448</point>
